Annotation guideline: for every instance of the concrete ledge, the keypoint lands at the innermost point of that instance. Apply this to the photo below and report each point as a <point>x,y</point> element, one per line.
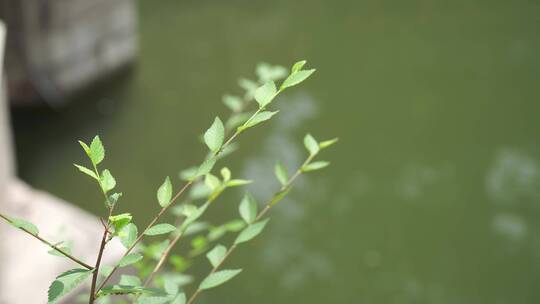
<point>26,268</point>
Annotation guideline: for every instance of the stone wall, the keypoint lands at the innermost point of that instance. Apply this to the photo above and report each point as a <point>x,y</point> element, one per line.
<point>6,153</point>
<point>57,47</point>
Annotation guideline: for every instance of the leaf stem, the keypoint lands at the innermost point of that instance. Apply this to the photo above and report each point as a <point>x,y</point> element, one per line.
<point>55,247</point>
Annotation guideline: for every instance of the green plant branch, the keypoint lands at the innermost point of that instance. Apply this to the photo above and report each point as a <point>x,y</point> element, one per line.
<point>178,194</point>
<point>179,236</point>
<point>140,237</point>
<point>285,188</point>
<point>55,247</point>
<point>104,240</point>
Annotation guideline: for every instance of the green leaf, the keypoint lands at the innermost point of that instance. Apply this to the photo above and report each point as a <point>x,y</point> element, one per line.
<point>216,255</point>
<point>315,166</point>
<point>120,221</point>
<point>217,278</point>
<point>212,181</point>
<point>248,208</point>
<point>247,84</point>
<point>311,144</point>
<point>194,216</point>
<point>164,193</point>
<point>296,78</point>
<point>187,209</point>
<point>130,280</point>
<point>238,182</point>
<point>257,119</point>
<point>213,137</point>
<point>66,282</point>
<point>128,235</point>
<point>105,270</point>
<point>113,198</point>
<point>206,166</point>
<point>87,171</point>
<point>265,94</point>
<point>55,252</point>
<point>196,227</point>
<point>85,147</point>
<point>233,102</point>
<point>298,66</point>
<point>281,173</point>
<point>97,151</point>
<point>160,229</point>
<point>129,259</point>
<point>235,225</point>
<point>267,72</point>
<point>107,180</point>
<point>156,249</point>
<point>24,225</point>
<point>328,143</point>
<point>250,232</point>
<point>226,174</point>
<point>188,174</point>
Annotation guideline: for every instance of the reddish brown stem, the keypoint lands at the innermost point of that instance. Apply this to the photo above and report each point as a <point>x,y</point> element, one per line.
<point>96,268</point>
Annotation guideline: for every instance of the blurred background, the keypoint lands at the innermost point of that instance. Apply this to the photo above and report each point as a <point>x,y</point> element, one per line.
<point>433,192</point>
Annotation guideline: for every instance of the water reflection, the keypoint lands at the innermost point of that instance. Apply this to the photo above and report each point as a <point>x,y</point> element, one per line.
<point>510,226</point>
<point>415,180</point>
<point>514,178</point>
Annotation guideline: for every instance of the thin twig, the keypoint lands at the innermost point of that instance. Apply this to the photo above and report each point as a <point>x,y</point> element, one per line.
<point>98,262</point>
<point>55,247</point>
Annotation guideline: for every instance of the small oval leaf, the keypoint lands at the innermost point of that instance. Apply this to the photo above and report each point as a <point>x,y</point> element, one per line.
<point>216,255</point>
<point>281,173</point>
<point>296,78</point>
<point>251,232</point>
<point>97,151</point>
<point>107,180</point>
<point>129,259</point>
<point>311,144</point>
<point>248,208</point>
<point>265,94</point>
<point>217,278</point>
<point>128,235</point>
<point>66,282</point>
<point>318,165</point>
<point>214,136</point>
<point>87,171</point>
<point>160,229</point>
<point>164,193</point>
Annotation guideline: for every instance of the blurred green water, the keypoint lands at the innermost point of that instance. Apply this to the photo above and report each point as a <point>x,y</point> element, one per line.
<point>433,192</point>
